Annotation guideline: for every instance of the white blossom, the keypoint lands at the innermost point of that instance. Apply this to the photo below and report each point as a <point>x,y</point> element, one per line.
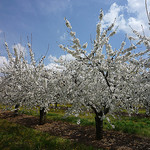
<point>85,45</point>
<point>101,15</point>
<point>72,33</point>
<point>68,24</point>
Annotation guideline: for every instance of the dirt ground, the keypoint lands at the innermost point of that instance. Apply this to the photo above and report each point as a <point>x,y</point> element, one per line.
<point>112,140</point>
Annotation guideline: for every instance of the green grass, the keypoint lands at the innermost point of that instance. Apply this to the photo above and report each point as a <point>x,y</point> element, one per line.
<point>85,120</point>
<point>17,137</point>
<point>131,125</point>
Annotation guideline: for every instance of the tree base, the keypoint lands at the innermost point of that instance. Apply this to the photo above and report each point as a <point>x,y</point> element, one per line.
<point>99,127</point>
<point>42,116</point>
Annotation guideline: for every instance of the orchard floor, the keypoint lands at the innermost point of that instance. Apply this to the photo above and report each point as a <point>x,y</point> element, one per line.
<point>112,140</point>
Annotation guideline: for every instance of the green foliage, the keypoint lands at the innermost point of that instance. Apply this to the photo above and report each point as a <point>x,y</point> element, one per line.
<point>16,137</point>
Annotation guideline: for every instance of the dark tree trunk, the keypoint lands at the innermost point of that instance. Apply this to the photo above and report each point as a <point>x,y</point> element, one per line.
<point>55,105</point>
<point>99,127</point>
<point>16,109</point>
<point>42,116</point>
<point>99,122</point>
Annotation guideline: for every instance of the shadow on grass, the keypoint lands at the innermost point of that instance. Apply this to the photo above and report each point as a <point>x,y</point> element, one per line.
<point>17,137</point>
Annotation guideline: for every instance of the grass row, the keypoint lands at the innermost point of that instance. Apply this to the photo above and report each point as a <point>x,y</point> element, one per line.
<point>17,137</point>
<point>131,125</point>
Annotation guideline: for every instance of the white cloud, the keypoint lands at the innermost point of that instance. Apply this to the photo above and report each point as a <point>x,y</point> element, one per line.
<point>67,57</point>
<point>53,6</point>
<point>133,14</point>
<point>20,48</point>
<point>54,67</point>
<point>1,31</point>
<point>52,58</point>
<point>136,6</point>
<point>63,37</point>
<point>115,13</point>
<point>3,60</point>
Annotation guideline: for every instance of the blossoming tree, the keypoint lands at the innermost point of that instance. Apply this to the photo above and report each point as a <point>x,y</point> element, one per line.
<point>27,84</point>
<point>103,79</point>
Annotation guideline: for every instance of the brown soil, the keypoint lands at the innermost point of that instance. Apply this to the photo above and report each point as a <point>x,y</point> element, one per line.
<point>112,140</point>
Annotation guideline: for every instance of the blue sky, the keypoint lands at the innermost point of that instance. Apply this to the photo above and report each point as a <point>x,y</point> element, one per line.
<point>45,20</point>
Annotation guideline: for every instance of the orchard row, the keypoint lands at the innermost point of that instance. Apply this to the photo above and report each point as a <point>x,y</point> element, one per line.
<point>104,80</point>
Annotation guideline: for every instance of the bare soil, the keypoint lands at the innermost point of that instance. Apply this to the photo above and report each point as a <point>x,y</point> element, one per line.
<point>112,140</point>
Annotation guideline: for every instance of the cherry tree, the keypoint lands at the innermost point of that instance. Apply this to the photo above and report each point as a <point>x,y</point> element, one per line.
<point>9,83</point>
<point>27,84</point>
<point>104,79</point>
<point>145,73</point>
<point>145,76</point>
<point>145,91</point>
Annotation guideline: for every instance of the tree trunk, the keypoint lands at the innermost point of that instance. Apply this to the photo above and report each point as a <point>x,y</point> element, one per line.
<point>147,107</point>
<point>147,111</point>
<point>42,116</point>
<point>99,121</point>
<point>16,109</point>
<point>55,105</point>
<point>99,127</point>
